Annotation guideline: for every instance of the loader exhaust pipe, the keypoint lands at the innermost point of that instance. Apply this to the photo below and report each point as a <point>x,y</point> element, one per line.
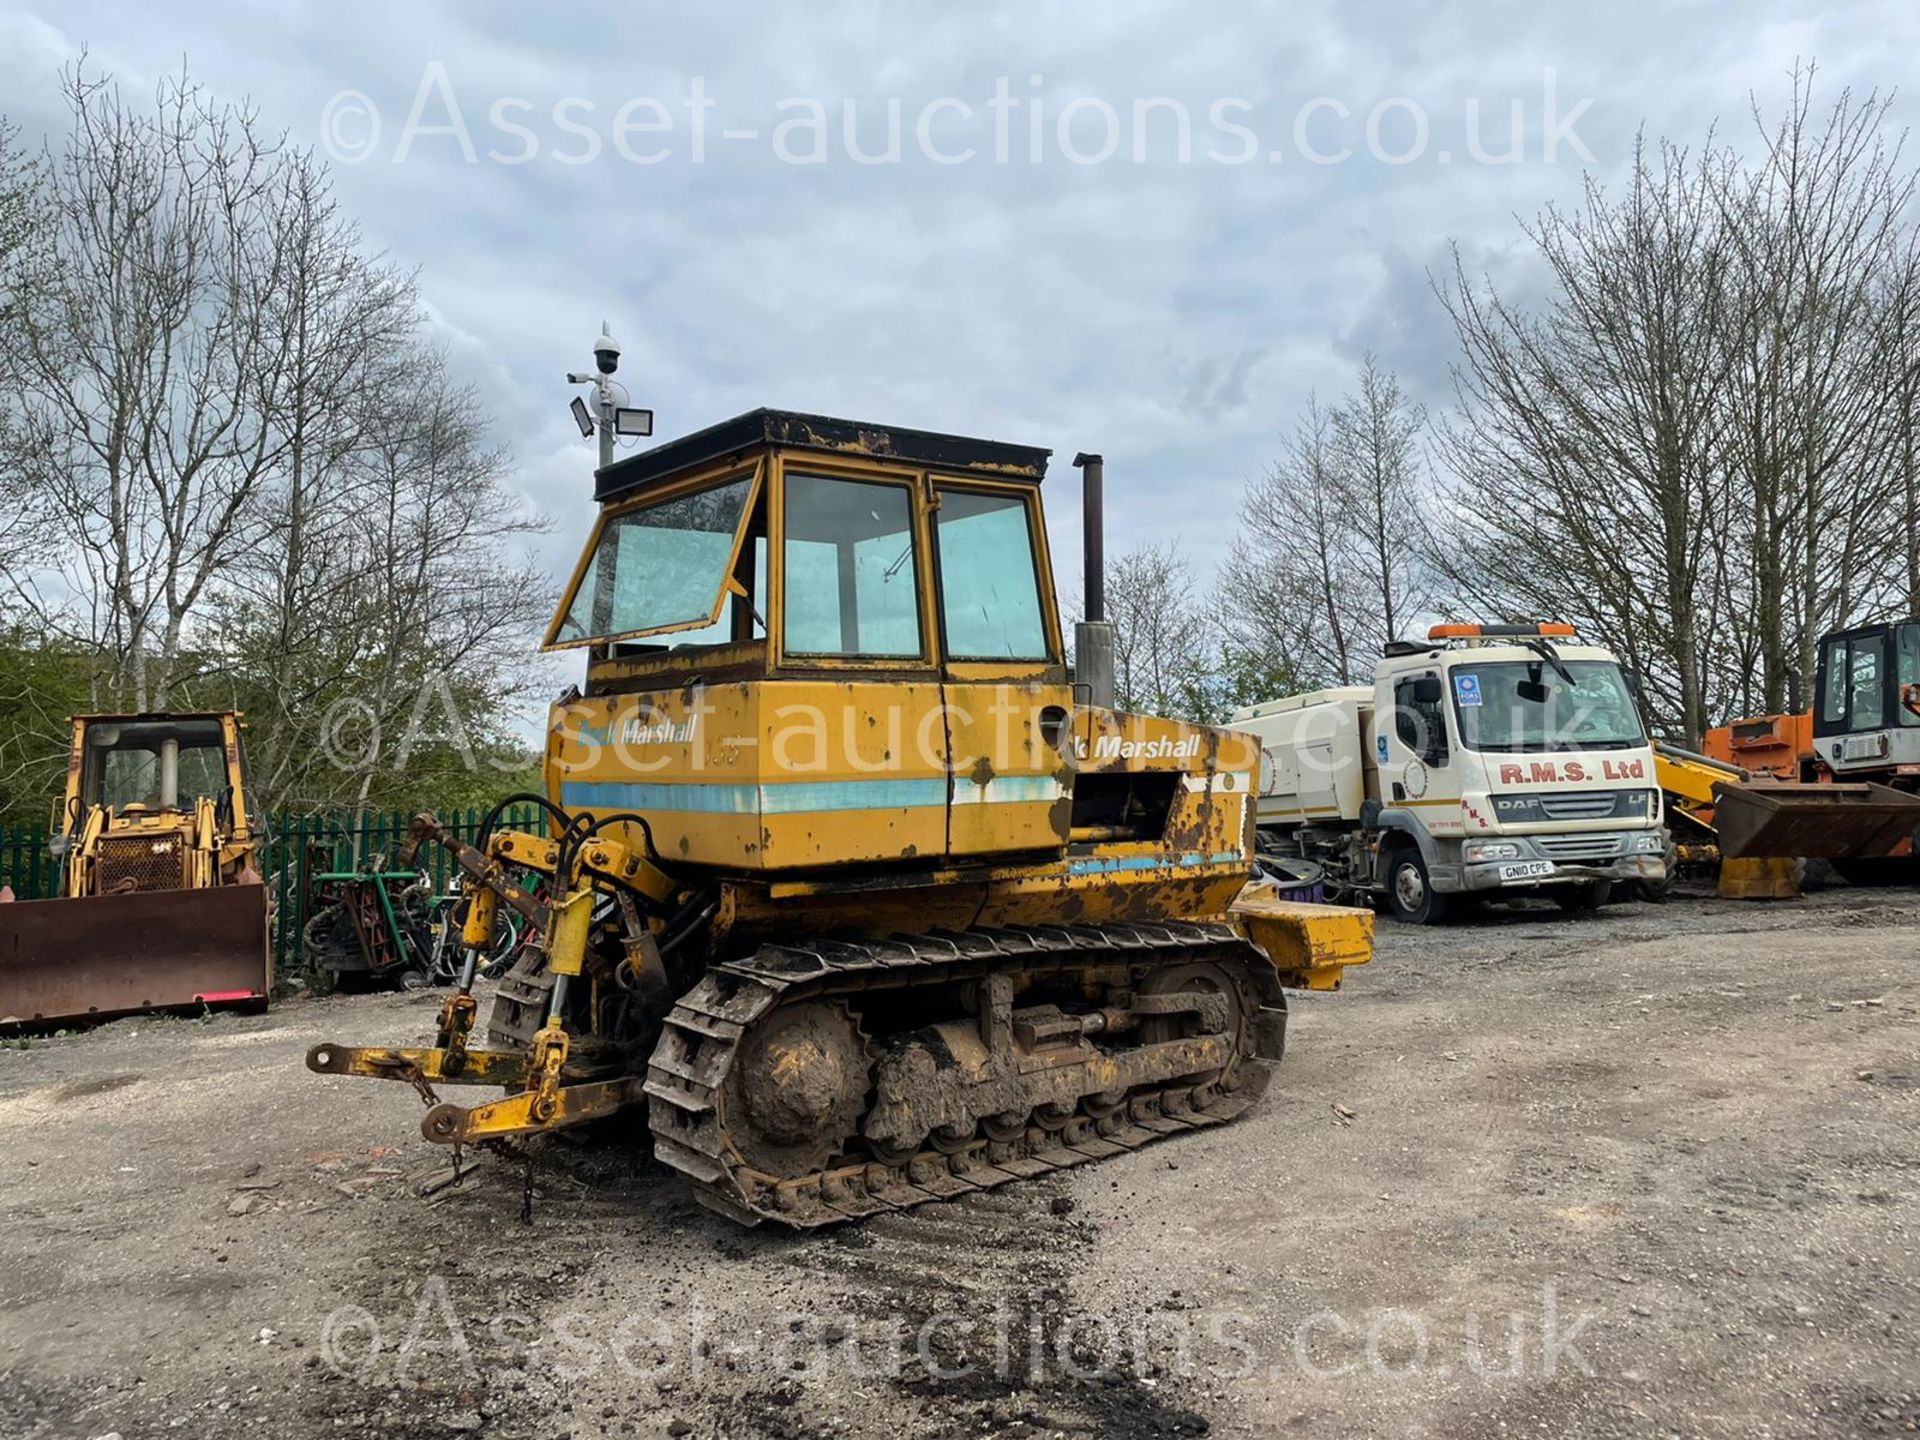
<point>1093,636</point>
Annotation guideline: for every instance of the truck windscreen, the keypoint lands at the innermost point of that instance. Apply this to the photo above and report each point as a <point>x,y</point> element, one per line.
<point>1518,705</point>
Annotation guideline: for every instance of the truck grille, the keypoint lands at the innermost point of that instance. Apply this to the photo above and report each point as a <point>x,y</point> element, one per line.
<point>149,862</point>
<point>1579,847</point>
<point>1595,805</point>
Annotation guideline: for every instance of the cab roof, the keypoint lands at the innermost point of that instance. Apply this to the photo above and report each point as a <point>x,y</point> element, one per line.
<point>791,430</point>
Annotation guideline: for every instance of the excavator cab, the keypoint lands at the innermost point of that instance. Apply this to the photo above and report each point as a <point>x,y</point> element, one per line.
<point>1866,712</point>
<point>161,904</point>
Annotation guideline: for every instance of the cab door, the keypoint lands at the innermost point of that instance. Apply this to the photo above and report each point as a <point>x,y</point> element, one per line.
<point>1417,765</point>
<point>1003,681</point>
<point>851,754</point>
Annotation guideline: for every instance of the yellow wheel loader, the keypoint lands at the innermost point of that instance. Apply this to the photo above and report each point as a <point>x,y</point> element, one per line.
<point>161,904</point>
<point>848,888</point>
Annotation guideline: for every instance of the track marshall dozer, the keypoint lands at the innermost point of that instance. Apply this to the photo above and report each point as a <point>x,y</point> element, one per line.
<point>846,886</point>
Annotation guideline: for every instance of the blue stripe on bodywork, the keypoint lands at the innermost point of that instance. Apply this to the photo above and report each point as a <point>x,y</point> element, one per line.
<point>722,798</point>
<point>1108,864</point>
<point>1008,789</point>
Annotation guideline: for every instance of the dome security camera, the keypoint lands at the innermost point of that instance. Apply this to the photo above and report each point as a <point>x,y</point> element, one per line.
<point>606,352</point>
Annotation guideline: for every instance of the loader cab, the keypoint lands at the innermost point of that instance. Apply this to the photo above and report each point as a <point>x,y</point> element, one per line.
<point>154,765</point>
<point>154,802</point>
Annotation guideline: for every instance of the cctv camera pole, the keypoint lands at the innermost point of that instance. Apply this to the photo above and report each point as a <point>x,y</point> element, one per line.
<point>603,396</point>
<point>603,419</point>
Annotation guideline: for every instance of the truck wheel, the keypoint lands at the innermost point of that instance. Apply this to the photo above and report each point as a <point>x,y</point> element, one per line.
<point>1654,892</point>
<point>1410,891</point>
<point>1590,896</point>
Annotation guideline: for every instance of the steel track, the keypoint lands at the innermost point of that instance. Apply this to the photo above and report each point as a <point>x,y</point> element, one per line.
<point>702,1040</point>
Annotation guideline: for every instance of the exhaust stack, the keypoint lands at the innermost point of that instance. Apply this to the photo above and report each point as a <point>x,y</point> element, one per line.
<point>1093,637</point>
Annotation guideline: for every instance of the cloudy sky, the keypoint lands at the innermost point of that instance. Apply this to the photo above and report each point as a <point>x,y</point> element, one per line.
<point>1040,263</point>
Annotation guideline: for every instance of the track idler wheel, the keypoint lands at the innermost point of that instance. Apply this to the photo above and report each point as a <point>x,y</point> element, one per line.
<point>794,1101</point>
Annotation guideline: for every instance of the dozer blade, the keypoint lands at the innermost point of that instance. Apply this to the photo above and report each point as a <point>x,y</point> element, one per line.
<point>107,955</point>
<point>1815,822</point>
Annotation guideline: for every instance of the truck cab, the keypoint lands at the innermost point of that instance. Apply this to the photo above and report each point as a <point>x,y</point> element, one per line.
<point>1488,761</point>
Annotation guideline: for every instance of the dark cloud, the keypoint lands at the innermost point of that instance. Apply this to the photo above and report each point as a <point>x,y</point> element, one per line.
<point>1174,316</point>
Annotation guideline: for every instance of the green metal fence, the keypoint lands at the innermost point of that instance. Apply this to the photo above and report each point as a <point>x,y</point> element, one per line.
<point>297,848</point>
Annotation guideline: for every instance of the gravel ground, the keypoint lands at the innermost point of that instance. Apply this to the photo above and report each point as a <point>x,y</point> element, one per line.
<point>1649,1172</point>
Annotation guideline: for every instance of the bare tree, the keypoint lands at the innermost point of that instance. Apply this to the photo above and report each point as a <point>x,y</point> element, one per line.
<point>410,632</point>
<point>1590,439</point>
<point>1376,452</point>
<point>1160,630</point>
<point>349,328</point>
<point>1330,563</point>
<point>23,203</point>
<point>147,369</point>
<point>1900,307</point>
<point>253,480</point>
<point>1292,584</point>
<point>1703,446</point>
<point>1818,449</point>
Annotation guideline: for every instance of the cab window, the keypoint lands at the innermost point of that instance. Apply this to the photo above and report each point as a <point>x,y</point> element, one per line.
<point>1420,717</point>
<point>989,582</point>
<point>852,577</point>
<point>1908,671</point>
<point>1866,683</point>
<point>1833,704</point>
<point>155,765</point>
<point>658,568</point>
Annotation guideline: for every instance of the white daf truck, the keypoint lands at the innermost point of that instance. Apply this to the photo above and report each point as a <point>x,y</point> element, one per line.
<point>1491,761</point>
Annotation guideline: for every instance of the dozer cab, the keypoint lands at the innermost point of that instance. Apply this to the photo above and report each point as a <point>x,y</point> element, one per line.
<point>844,888</point>
<point>161,904</point>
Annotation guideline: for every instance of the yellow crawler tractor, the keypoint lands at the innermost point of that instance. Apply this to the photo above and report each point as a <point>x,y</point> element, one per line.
<point>161,904</point>
<point>844,885</point>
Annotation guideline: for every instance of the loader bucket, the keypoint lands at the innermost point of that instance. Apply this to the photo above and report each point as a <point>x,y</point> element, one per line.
<point>89,959</point>
<point>1815,822</point>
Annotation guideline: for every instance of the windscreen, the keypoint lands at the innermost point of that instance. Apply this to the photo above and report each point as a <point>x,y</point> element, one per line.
<point>156,765</point>
<point>1520,705</point>
<point>852,572</point>
<point>657,568</point>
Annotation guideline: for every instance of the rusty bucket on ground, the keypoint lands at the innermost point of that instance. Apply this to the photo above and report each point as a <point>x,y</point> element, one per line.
<point>1817,822</point>
<point>64,960</point>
